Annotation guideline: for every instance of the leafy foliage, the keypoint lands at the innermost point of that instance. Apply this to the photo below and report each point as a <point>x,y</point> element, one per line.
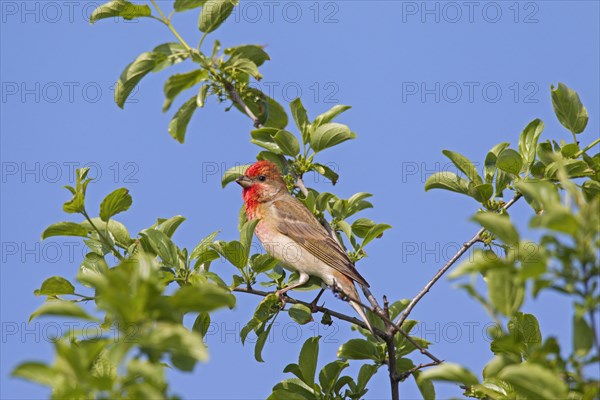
<point>556,179</point>
<point>154,283</point>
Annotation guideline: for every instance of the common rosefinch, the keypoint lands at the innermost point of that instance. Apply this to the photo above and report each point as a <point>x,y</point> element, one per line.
<point>293,235</point>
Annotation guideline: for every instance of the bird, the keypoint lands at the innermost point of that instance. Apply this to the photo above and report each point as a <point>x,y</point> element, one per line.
<point>290,233</point>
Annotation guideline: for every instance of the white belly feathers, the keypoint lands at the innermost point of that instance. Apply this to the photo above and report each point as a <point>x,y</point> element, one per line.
<point>291,254</point>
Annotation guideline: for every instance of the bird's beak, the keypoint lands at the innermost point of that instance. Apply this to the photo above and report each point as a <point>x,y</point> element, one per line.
<point>244,181</point>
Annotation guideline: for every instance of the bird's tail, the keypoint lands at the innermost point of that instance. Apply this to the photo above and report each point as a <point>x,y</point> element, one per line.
<point>362,314</point>
<point>347,286</point>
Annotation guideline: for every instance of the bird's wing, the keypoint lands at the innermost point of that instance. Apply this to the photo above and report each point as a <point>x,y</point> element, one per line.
<point>300,225</point>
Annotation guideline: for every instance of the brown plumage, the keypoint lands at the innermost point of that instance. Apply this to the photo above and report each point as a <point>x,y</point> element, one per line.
<point>292,234</point>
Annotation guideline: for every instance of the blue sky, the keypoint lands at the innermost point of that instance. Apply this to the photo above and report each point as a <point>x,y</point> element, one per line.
<point>420,76</point>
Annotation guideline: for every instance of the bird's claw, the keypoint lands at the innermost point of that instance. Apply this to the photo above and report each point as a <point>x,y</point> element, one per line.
<point>281,295</point>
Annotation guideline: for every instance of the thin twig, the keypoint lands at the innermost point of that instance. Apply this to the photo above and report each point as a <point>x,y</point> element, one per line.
<point>237,99</point>
<point>163,18</point>
<point>406,374</point>
<point>476,238</point>
<point>102,237</point>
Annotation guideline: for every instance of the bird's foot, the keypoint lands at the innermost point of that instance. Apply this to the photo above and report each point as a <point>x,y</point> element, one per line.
<point>282,296</point>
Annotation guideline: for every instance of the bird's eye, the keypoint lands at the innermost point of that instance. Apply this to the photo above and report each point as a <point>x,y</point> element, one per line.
<point>262,178</point>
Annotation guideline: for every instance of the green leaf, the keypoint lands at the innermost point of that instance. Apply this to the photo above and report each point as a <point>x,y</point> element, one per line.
<point>292,389</point>
<point>233,173</point>
<point>117,229</point>
<point>202,95</point>
<point>533,381</point>
<point>203,247</point>
<point>451,373</point>
<point>482,193</point>
<point>201,297</point>
<point>525,329</point>
<point>361,226</point>
<point>161,245</point>
<point>591,189</point>
<point>300,313</point>
<point>179,82</point>
<point>287,142</point>
<point>307,361</point>
<point>425,386</point>
<point>533,259</point>
<point>77,202</point>
<point>529,139</point>
<point>572,169</point>
<point>65,229</point>
<point>169,226</point>
<point>36,372</point>
<point>247,232</point>
<point>568,108</point>
<point>510,161</point>
<point>214,13</point>
<point>263,262</point>
<point>541,195</point>
<point>116,202</point>
<point>465,165</point>
<point>448,181</point>
<point>559,219</point>
<point>260,342</point>
<point>365,374</point>
<point>92,270</point>
<point>134,72</point>
<point>54,286</point>
<point>330,373</point>
<point>175,339</point>
<point>481,261</point>
<point>503,179</point>
<point>233,251</point>
<point>174,53</point>
<point>181,119</point>
<point>506,292</point>
<point>326,172</point>
<point>301,118</point>
<point>359,349</point>
<point>374,233</point>
<point>583,336</point>
<point>499,225</point>
<point>329,115</point>
<point>120,8</point>
<point>545,153</point>
<point>489,166</point>
<point>569,150</point>
<point>201,323</point>
<point>329,135</point>
<point>183,5</point>
<point>62,309</point>
<point>236,65</point>
<point>252,52</point>
<point>264,137</point>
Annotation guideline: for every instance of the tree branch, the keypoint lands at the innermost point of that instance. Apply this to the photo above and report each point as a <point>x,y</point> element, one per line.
<point>392,328</point>
<point>237,99</point>
<point>391,350</point>
<point>476,238</point>
<point>313,307</point>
